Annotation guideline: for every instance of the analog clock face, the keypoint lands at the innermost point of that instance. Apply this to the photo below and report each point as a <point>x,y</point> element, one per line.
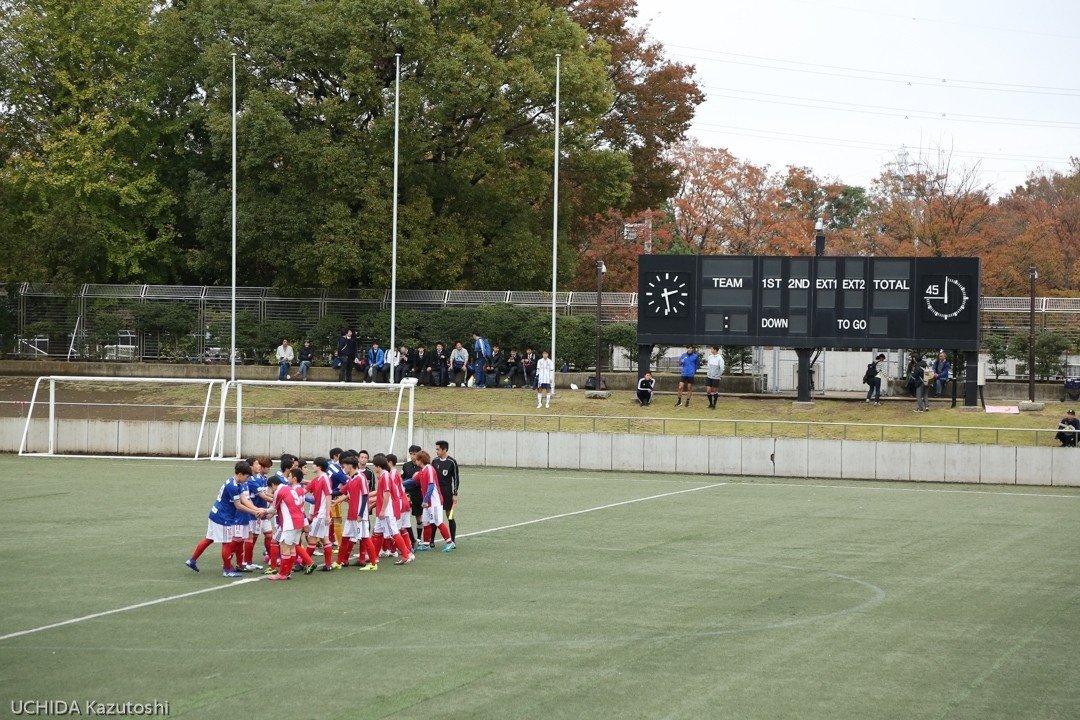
<point>946,297</point>
<point>667,294</point>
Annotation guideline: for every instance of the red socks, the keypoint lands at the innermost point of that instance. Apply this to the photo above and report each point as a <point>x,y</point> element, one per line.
<point>287,565</point>
<point>303,554</point>
<point>369,548</point>
<point>344,551</point>
<point>249,550</point>
<point>226,555</point>
<point>407,540</point>
<point>402,546</point>
<point>238,552</point>
<point>429,533</point>
<point>275,555</point>
<point>445,532</point>
<point>203,544</point>
<point>333,535</point>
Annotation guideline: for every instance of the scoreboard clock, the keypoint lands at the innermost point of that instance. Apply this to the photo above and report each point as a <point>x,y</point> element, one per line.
<point>848,302</point>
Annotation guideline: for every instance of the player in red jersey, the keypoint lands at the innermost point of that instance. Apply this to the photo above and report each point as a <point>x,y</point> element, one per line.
<point>401,502</point>
<point>385,512</point>
<point>434,514</point>
<point>290,519</point>
<point>319,521</point>
<point>356,529</point>
<point>300,490</point>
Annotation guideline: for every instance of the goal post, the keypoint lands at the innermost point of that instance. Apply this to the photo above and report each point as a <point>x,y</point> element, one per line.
<point>52,422</point>
<point>405,402</point>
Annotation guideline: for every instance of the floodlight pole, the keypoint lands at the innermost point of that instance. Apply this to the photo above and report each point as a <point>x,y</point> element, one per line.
<point>1034,274</point>
<point>600,270</point>
<point>232,313</point>
<point>393,225</point>
<point>555,209</point>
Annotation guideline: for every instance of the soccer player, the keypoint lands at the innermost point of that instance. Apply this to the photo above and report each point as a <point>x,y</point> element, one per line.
<point>412,488</point>
<point>689,362</point>
<point>290,519</point>
<point>222,527</point>
<point>356,529</point>
<point>261,497</point>
<point>337,479</point>
<point>319,522</point>
<point>714,371</point>
<point>446,469</point>
<point>385,510</point>
<point>401,500</point>
<point>545,377</point>
<point>434,514</point>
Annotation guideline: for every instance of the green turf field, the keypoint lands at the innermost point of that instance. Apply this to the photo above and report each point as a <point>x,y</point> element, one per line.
<point>629,596</point>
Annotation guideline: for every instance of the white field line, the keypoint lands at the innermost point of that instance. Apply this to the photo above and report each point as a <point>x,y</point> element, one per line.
<point>1075,496</point>
<point>245,581</point>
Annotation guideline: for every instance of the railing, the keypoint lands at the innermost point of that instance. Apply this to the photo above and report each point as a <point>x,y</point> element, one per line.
<point>527,422</point>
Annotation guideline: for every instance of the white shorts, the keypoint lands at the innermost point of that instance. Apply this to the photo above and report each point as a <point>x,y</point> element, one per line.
<point>356,529</point>
<point>404,520</point>
<point>290,537</point>
<point>386,526</point>
<point>320,528</point>
<point>434,515</point>
<point>220,533</point>
<point>258,527</point>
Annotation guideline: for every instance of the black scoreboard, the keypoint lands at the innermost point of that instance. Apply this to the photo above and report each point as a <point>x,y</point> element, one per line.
<point>849,302</point>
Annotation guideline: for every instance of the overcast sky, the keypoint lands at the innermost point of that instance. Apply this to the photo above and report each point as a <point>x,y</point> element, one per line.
<point>1010,99</point>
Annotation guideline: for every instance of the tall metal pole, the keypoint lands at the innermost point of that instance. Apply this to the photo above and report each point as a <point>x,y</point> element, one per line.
<point>600,270</point>
<point>232,314</point>
<point>555,209</point>
<point>393,226</point>
<point>1031,337</point>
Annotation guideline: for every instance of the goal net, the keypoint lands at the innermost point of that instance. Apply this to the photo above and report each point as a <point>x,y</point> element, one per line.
<point>130,417</point>
<point>307,418</point>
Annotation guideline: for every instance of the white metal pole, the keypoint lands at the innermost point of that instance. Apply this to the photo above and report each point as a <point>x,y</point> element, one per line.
<point>555,209</point>
<point>232,314</point>
<point>412,399</point>
<point>239,416</point>
<point>52,416</point>
<point>393,226</point>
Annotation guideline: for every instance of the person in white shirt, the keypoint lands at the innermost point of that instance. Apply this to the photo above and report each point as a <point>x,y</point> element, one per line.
<point>545,378</point>
<point>714,369</point>
<point>459,363</point>
<point>284,359</point>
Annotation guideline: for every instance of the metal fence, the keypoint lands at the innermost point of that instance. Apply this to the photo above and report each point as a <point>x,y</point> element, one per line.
<point>48,322</point>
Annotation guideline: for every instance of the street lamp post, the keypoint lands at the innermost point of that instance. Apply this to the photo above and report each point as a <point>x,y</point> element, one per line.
<point>600,270</point>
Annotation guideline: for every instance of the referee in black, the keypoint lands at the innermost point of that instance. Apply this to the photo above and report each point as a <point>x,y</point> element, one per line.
<point>446,468</point>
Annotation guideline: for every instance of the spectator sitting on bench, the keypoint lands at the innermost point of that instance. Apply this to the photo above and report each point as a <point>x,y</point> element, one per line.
<point>941,368</point>
<point>1068,429</point>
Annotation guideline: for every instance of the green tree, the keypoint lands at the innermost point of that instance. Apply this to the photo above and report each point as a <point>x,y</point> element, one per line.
<point>997,349</point>
<point>80,196</point>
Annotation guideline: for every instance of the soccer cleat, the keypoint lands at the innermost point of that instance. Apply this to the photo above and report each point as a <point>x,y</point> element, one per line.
<point>253,566</point>
<point>449,546</point>
<point>421,547</point>
<point>270,571</point>
<point>384,553</point>
<point>687,403</point>
<point>278,576</point>
<point>538,405</point>
<point>338,566</point>
<point>323,568</point>
<point>308,569</point>
<point>405,560</point>
<point>678,403</point>
<point>548,406</point>
<point>369,568</point>
<point>190,562</point>
<point>243,569</point>
<point>395,554</point>
<point>231,574</point>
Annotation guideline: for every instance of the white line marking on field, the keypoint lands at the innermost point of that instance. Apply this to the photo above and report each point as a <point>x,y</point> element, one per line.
<point>905,489</point>
<point>148,603</point>
<point>129,607</point>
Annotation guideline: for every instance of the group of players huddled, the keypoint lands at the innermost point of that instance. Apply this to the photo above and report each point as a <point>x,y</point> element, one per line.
<point>299,509</point>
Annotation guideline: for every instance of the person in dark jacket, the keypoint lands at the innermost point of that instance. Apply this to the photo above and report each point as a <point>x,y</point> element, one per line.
<point>306,356</point>
<point>1068,429</point>
<point>346,355</point>
<point>440,362</point>
<point>446,469</point>
<point>495,367</point>
<point>645,389</point>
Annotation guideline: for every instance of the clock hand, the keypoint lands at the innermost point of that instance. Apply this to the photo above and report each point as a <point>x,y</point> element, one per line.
<point>946,290</point>
<point>667,302</point>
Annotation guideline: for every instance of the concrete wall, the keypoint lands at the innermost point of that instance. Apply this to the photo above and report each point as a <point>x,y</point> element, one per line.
<point>692,455</point>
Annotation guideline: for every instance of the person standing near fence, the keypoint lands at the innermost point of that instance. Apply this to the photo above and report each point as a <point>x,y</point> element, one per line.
<point>688,364</point>
<point>873,378</point>
<point>545,378</point>
<point>284,356</point>
<point>714,371</point>
<point>481,359</point>
<point>346,355</point>
<point>920,376</point>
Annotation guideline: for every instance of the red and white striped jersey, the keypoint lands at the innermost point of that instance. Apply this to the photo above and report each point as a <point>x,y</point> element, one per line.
<point>289,508</point>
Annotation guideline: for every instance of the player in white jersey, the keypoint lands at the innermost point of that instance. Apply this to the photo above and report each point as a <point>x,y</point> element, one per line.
<point>545,378</point>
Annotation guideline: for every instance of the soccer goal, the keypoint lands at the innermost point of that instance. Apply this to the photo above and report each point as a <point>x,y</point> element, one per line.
<point>399,397</point>
<point>89,426</point>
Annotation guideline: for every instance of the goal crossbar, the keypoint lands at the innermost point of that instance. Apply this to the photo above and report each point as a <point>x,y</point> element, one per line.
<point>53,379</point>
<point>217,449</point>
